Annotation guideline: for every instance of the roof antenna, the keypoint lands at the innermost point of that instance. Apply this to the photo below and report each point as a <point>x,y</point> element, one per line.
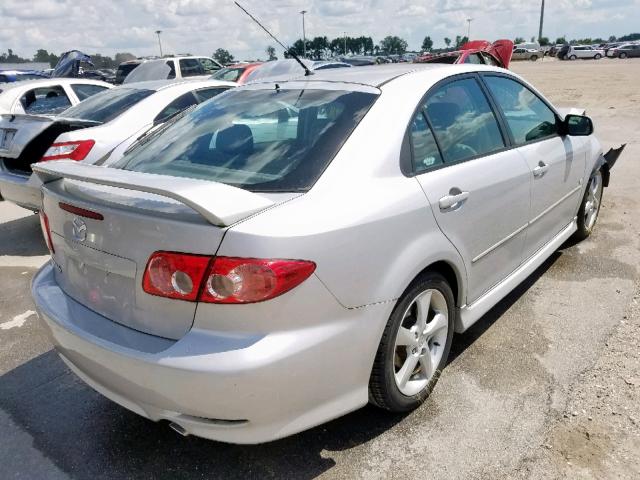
<point>288,50</point>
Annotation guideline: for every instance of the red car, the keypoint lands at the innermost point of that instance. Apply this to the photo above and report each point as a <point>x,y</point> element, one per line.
<point>497,53</point>
<point>236,73</point>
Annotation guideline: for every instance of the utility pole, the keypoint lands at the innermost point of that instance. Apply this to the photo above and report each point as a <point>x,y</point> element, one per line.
<point>158,32</point>
<point>304,36</point>
<point>345,44</point>
<point>541,21</point>
<point>469,20</point>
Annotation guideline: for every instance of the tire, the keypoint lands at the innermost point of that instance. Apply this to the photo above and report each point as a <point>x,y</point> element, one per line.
<point>426,351</point>
<point>597,56</point>
<point>533,58</point>
<point>622,55</point>
<point>573,57</point>
<point>588,212</point>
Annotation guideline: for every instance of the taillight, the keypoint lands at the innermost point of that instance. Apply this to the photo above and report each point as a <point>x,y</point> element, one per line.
<point>249,280</point>
<point>46,231</point>
<point>68,150</point>
<point>175,275</point>
<point>222,279</point>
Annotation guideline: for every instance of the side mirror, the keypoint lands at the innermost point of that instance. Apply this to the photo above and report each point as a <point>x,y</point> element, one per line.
<point>577,126</point>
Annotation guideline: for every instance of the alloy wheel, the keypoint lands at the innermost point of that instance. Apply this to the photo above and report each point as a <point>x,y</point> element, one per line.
<point>420,342</point>
<point>594,197</point>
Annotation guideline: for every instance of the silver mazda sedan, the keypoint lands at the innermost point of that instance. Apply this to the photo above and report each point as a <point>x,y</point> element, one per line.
<point>289,251</point>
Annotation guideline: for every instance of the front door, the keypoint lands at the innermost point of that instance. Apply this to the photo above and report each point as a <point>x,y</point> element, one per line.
<point>557,163</point>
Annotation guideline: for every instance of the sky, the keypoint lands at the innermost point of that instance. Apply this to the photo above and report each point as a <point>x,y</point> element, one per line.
<point>201,26</point>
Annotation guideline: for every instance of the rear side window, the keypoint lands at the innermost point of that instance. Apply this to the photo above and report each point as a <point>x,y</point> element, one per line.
<point>205,94</point>
<point>84,91</point>
<point>176,106</point>
<point>528,117</point>
<point>423,145</point>
<point>489,60</point>
<point>462,120</point>
<point>266,140</point>
<point>190,67</point>
<point>474,58</point>
<point>45,100</point>
<point>105,106</point>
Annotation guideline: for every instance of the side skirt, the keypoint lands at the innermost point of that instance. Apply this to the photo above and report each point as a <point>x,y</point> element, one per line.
<point>470,314</point>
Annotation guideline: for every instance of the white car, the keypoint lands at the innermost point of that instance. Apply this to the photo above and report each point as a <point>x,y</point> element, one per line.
<point>291,250</point>
<point>47,96</point>
<point>89,132</point>
<point>584,51</point>
<point>169,68</point>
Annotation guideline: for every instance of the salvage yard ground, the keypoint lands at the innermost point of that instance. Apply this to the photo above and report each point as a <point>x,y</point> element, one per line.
<point>546,385</point>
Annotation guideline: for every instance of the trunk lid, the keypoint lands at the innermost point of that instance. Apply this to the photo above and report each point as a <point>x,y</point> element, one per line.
<point>101,263</point>
<point>502,50</point>
<point>25,138</point>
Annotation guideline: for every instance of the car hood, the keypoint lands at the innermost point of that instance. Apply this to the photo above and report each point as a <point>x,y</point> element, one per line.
<point>69,64</point>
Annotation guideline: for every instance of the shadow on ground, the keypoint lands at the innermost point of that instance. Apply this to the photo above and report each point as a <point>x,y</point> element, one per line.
<point>22,237</point>
<point>87,436</point>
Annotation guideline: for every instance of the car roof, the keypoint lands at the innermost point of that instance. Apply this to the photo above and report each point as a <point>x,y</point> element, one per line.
<point>372,75</point>
<point>158,85</point>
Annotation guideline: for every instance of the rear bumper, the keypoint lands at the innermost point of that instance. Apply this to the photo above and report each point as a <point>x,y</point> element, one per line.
<point>23,190</point>
<point>235,387</point>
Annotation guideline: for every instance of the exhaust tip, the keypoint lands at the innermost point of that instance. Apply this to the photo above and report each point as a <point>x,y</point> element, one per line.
<point>178,428</point>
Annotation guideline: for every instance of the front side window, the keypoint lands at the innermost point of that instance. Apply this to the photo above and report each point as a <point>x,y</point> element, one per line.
<point>45,100</point>
<point>84,90</point>
<point>268,140</point>
<point>423,145</point>
<point>190,67</point>
<point>462,120</point>
<point>528,117</point>
<point>105,106</point>
<point>209,66</point>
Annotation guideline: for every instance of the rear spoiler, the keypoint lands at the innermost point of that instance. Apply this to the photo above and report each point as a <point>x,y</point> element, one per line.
<point>221,205</point>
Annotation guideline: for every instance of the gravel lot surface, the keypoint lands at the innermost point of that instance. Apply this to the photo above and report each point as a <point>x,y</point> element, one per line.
<point>546,385</point>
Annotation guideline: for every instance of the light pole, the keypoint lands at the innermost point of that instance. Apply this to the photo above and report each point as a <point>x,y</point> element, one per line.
<point>304,36</point>
<point>345,44</point>
<point>541,21</point>
<point>469,20</point>
<point>158,32</point>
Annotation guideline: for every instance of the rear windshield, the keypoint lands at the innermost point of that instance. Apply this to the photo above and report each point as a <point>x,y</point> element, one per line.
<point>105,106</point>
<point>261,140</point>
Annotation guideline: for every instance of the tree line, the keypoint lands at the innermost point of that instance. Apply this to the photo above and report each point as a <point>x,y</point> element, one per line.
<point>316,48</point>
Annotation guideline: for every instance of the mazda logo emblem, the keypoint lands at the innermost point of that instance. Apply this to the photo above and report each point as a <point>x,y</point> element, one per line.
<point>79,229</point>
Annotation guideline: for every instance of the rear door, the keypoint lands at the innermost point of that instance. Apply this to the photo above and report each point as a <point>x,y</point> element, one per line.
<point>557,162</point>
<point>478,190</point>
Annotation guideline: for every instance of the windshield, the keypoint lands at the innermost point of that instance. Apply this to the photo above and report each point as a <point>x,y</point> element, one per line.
<point>105,106</point>
<point>262,140</point>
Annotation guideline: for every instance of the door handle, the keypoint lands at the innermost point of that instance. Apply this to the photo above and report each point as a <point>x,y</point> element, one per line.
<point>541,169</point>
<point>454,200</point>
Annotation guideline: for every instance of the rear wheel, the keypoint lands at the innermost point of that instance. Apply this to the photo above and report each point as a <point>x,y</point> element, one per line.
<point>590,206</point>
<point>572,57</point>
<point>622,55</point>
<point>415,345</point>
